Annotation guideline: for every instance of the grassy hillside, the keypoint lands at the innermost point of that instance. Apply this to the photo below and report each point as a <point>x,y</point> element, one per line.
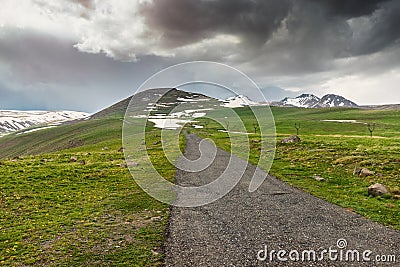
<point>88,212</point>
<point>62,137</point>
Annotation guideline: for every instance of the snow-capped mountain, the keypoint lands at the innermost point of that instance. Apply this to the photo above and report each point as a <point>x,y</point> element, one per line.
<point>312,101</point>
<point>303,101</point>
<point>169,107</point>
<point>238,101</point>
<point>14,120</point>
<point>332,100</point>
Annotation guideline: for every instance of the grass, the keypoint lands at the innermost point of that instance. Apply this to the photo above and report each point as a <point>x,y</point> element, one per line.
<point>55,212</point>
<point>332,150</point>
<point>63,137</point>
<point>334,159</point>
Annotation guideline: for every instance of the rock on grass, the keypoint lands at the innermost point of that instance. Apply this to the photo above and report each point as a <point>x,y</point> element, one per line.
<point>362,172</point>
<point>377,190</point>
<point>291,139</point>
<point>365,172</point>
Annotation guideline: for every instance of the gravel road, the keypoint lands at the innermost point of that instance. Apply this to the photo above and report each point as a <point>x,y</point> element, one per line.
<point>235,229</point>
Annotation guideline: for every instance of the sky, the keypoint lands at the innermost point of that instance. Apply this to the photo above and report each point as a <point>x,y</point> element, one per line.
<point>88,54</point>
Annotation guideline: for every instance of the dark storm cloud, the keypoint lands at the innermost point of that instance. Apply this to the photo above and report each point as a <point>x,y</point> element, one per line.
<point>378,28</point>
<point>383,31</point>
<point>318,31</point>
<point>349,8</point>
<point>183,22</point>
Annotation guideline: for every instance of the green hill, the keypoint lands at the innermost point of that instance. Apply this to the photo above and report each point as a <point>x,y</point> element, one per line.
<point>63,137</point>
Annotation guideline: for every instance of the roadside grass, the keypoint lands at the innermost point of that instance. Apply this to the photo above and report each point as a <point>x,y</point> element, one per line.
<point>332,150</point>
<point>54,212</point>
<point>334,159</point>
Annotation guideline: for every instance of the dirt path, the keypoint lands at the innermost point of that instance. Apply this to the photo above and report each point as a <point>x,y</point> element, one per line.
<point>233,230</point>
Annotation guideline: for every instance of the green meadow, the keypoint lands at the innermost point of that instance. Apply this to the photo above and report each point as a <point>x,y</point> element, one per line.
<point>58,212</point>
<point>332,150</point>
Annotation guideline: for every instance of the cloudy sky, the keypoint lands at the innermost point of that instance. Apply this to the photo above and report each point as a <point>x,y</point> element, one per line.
<point>88,54</point>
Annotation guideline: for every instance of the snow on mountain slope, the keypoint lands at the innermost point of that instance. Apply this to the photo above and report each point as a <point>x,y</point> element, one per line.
<point>14,120</point>
<point>312,101</point>
<point>332,100</point>
<point>238,101</point>
<point>302,101</point>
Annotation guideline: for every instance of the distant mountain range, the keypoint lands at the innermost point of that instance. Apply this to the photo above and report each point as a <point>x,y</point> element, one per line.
<point>312,101</point>
<point>13,120</point>
<point>302,101</point>
<point>160,108</point>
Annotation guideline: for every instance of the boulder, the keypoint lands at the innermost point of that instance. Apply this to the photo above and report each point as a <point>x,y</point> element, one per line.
<point>377,190</point>
<point>291,139</point>
<point>365,172</point>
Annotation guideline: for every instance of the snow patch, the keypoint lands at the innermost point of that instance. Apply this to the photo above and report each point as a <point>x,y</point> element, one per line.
<point>233,132</point>
<point>345,121</point>
<point>238,101</point>
<point>192,100</point>
<point>170,124</point>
